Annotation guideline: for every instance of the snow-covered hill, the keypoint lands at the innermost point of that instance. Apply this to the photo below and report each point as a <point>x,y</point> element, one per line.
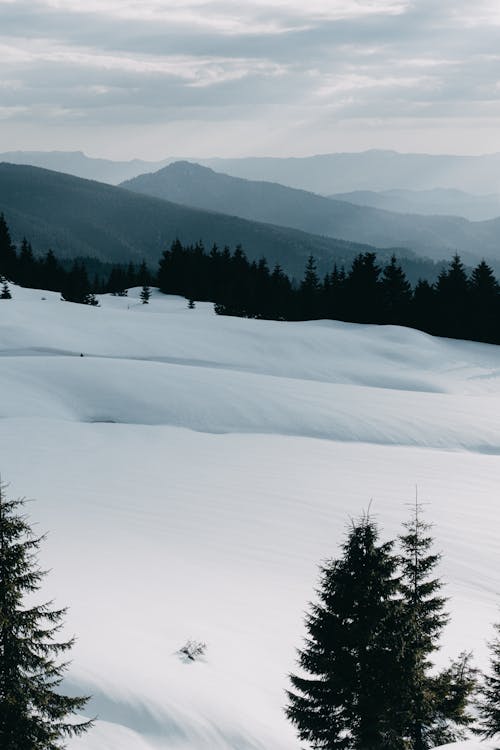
<point>193,470</point>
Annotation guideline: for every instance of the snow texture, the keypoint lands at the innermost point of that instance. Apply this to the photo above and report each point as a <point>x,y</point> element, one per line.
<point>193,470</point>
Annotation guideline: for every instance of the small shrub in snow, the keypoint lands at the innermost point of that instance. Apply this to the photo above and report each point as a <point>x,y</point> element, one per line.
<point>192,650</point>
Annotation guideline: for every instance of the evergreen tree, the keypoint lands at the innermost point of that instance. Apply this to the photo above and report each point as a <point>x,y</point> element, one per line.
<point>26,267</point>
<point>8,257</point>
<point>433,707</point>
<point>363,290</point>
<point>452,300</point>
<point>396,294</point>
<point>424,622</point>
<point>145,294</point>
<point>485,304</point>
<point>489,703</point>
<point>348,700</point>
<point>423,310</point>
<point>5,292</point>
<point>34,715</point>
<point>309,295</point>
<point>76,286</point>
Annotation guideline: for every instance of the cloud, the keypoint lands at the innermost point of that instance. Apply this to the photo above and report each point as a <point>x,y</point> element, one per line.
<point>105,63</point>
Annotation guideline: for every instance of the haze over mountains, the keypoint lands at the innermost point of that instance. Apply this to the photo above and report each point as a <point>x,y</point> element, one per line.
<point>437,201</point>
<point>435,236</point>
<point>77,217</point>
<point>325,174</point>
<point>80,165</point>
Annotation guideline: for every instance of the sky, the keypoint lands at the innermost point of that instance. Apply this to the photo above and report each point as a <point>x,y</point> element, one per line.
<point>158,78</point>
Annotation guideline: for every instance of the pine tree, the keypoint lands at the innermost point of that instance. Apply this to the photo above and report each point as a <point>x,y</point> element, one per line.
<point>433,707</point>
<point>489,703</point>
<point>485,304</point>
<point>5,292</point>
<point>363,290</point>
<point>424,622</point>
<point>145,294</point>
<point>8,256</point>
<point>309,294</point>
<point>396,294</point>
<point>453,301</point>
<point>191,304</point>
<point>352,653</point>
<point>34,715</point>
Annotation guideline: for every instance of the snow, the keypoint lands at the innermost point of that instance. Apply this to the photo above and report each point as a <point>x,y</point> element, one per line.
<point>193,470</point>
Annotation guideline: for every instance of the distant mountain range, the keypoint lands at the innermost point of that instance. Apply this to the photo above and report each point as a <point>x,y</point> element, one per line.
<point>433,236</point>
<point>370,170</point>
<point>77,217</point>
<point>438,201</point>
<point>80,165</point>
<point>324,174</point>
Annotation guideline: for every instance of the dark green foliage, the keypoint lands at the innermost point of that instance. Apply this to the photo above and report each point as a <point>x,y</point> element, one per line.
<point>8,256</point>
<point>489,703</point>
<point>452,299</point>
<point>435,706</point>
<point>364,298</point>
<point>348,698</point>
<point>367,681</point>
<point>34,715</point>
<point>396,294</point>
<point>77,287</point>
<point>309,292</point>
<point>5,291</point>
<point>145,295</point>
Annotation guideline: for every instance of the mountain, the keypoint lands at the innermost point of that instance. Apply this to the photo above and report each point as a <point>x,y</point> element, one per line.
<point>427,202</point>
<point>324,173</point>
<point>370,170</point>
<point>77,217</point>
<point>80,165</point>
<point>434,236</point>
<point>194,470</point>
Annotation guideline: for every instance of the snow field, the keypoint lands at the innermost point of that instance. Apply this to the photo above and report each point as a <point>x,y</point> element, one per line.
<point>194,470</point>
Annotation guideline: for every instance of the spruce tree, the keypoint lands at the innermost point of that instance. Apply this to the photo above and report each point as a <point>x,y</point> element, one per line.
<point>34,715</point>
<point>5,292</point>
<point>424,621</point>
<point>145,294</point>
<point>433,707</point>
<point>8,256</point>
<point>309,294</point>
<point>396,294</point>
<point>346,698</point>
<point>489,703</point>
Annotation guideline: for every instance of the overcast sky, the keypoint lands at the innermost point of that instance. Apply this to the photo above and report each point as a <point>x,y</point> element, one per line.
<point>155,78</point>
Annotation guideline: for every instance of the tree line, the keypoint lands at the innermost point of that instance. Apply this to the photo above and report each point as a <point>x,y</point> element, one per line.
<point>460,304</point>
<point>71,278</point>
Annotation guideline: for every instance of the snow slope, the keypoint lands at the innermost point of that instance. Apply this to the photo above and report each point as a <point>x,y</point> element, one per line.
<point>193,470</point>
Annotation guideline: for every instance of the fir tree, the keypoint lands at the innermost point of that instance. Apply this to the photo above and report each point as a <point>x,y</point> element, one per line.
<point>145,294</point>
<point>363,290</point>
<point>8,257</point>
<point>309,292</point>
<point>191,304</point>
<point>34,715</point>
<point>433,707</point>
<point>489,703</point>
<point>396,294</point>
<point>351,657</point>
<point>424,621</point>
<point>5,292</point>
